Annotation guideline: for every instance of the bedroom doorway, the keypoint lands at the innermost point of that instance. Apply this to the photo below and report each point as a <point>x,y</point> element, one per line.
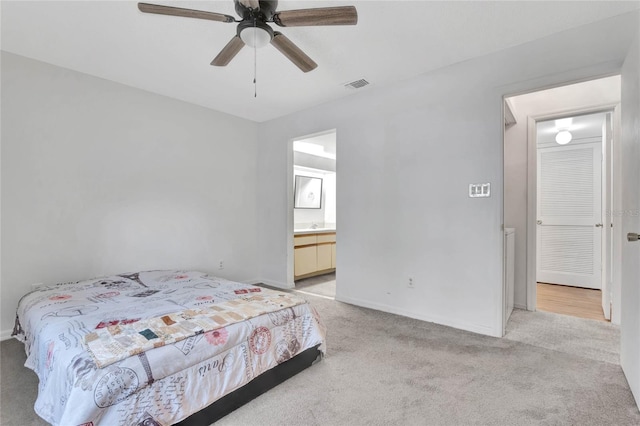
<point>535,161</point>
<point>314,214</point>
<point>572,198</point>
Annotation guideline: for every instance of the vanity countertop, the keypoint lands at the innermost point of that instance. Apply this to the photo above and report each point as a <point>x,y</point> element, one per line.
<point>313,231</point>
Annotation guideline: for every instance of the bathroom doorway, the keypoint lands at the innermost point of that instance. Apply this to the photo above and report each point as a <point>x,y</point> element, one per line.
<point>314,214</point>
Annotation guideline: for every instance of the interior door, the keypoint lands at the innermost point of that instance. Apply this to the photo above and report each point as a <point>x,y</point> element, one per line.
<point>630,215</point>
<point>569,230</point>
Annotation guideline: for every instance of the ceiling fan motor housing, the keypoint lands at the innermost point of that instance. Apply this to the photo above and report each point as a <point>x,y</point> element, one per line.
<point>255,21</point>
<point>264,13</point>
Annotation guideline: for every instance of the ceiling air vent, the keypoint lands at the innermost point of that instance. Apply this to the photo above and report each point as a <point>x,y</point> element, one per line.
<point>357,84</point>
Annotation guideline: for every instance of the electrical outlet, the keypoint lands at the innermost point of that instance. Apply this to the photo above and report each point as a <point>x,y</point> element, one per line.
<point>221,264</point>
<point>410,284</point>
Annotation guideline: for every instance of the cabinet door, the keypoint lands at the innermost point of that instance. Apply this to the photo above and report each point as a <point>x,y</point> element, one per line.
<point>304,240</point>
<point>324,256</point>
<point>326,238</point>
<point>333,255</point>
<point>305,260</point>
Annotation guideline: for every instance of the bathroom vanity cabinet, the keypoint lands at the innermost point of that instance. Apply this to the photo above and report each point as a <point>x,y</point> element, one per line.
<point>314,253</point>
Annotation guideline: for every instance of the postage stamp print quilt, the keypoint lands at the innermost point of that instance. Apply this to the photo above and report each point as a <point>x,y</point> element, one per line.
<point>155,346</point>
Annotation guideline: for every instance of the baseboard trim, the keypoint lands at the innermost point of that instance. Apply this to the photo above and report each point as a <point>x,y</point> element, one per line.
<point>461,325</point>
<point>518,306</point>
<point>5,334</point>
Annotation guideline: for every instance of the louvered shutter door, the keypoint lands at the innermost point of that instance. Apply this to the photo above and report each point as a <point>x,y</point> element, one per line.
<point>569,203</point>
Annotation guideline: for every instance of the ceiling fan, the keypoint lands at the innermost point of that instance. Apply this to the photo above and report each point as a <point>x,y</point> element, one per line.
<point>254,30</point>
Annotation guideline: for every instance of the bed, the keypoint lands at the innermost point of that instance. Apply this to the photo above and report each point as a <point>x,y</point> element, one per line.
<point>161,347</point>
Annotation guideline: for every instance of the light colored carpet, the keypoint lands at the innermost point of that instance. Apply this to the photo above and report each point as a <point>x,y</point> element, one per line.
<point>323,285</point>
<point>18,387</point>
<point>596,340</point>
<point>382,369</point>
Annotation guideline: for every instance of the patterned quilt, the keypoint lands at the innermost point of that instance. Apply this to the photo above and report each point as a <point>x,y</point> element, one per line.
<point>154,346</point>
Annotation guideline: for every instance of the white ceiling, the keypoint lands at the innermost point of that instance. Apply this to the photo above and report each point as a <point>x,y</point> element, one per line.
<point>394,40</point>
<point>580,126</point>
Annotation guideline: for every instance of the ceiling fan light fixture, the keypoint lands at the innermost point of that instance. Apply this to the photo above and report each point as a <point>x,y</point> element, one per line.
<point>563,137</point>
<point>256,37</point>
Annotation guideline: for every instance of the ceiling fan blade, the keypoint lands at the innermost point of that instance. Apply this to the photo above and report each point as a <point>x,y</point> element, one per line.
<point>343,15</point>
<point>293,52</point>
<point>228,52</point>
<point>187,13</point>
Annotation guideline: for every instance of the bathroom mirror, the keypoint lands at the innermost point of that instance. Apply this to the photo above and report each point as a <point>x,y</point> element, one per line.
<point>308,192</point>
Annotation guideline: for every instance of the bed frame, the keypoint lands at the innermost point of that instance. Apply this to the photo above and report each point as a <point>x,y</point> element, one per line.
<point>267,380</point>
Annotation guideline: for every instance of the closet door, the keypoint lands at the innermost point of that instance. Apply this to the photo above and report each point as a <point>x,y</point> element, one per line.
<point>569,230</point>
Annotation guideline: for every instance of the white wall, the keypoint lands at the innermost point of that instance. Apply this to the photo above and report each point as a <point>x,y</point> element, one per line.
<point>558,100</point>
<point>313,161</point>
<point>330,199</point>
<point>407,154</point>
<point>100,178</point>
<point>630,328</point>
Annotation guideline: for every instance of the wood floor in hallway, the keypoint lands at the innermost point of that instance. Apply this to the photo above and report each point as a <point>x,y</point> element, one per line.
<point>574,301</point>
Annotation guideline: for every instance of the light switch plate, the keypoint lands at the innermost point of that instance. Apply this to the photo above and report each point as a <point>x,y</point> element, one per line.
<point>477,190</point>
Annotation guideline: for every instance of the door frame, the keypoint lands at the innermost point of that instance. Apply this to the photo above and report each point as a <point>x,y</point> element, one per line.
<point>290,200</point>
<point>609,181</point>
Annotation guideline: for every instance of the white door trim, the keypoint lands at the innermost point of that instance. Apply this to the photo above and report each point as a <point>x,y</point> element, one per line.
<point>617,235</point>
<point>532,177</point>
